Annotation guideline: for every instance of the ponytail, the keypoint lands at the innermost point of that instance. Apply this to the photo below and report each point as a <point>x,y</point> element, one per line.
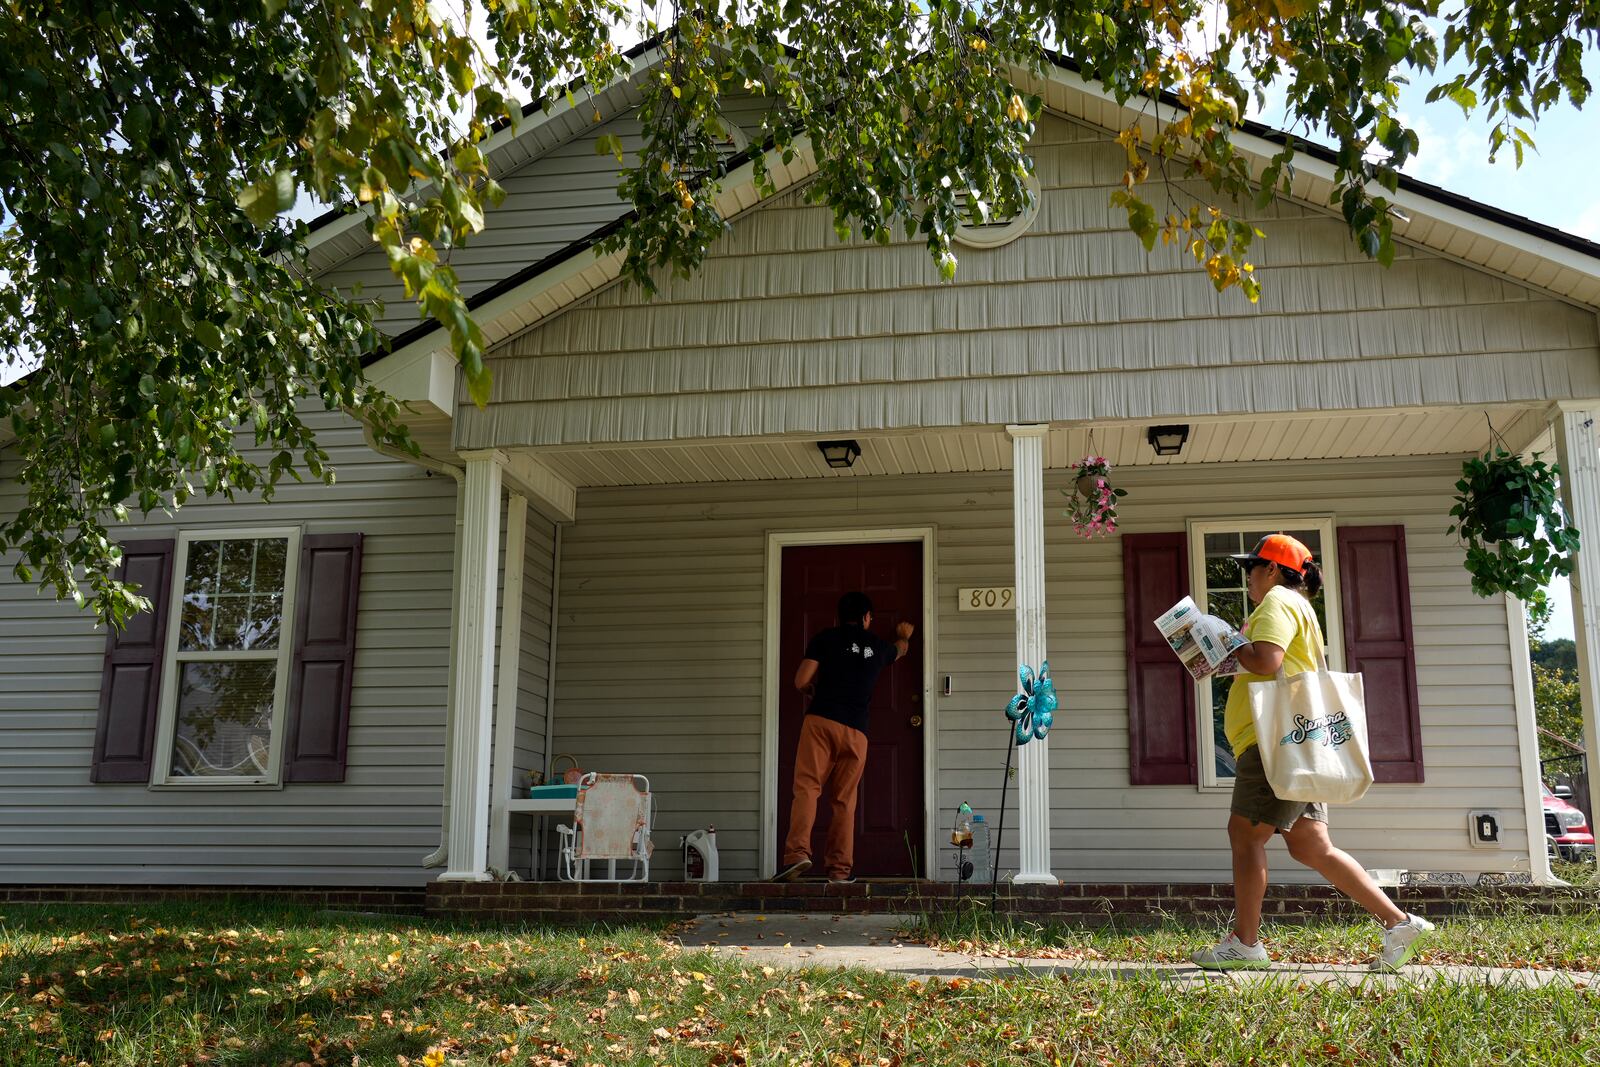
<point>1308,582</point>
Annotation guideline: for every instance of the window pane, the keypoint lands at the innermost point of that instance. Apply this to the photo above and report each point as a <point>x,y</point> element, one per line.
<point>238,566</point>
<point>270,556</point>
<point>202,571</point>
<point>1221,750</point>
<point>1223,573</point>
<point>233,594</point>
<point>199,612</point>
<point>266,616</point>
<point>1227,606</point>
<point>224,719</point>
<point>1221,544</point>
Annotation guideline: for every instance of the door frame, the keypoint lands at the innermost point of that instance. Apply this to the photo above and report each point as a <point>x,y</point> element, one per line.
<point>777,541</point>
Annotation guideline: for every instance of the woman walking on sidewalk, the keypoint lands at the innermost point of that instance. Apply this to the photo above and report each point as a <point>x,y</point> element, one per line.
<point>1280,576</point>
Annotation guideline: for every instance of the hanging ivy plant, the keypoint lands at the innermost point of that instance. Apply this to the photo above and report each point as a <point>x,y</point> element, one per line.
<point>1509,515</point>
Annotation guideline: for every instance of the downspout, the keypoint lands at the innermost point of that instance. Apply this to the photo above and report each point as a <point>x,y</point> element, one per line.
<point>438,856</point>
<point>550,670</point>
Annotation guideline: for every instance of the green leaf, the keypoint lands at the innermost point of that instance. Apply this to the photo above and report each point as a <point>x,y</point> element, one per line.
<point>209,334</point>
<point>263,201</point>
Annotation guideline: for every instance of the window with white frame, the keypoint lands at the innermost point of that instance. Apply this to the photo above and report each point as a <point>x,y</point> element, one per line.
<point>1220,590</point>
<point>227,659</point>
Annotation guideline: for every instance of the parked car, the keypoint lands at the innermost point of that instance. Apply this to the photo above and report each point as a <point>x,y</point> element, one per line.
<point>1566,828</point>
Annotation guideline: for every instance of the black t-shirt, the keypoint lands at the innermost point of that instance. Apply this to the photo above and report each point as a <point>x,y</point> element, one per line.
<point>848,661</point>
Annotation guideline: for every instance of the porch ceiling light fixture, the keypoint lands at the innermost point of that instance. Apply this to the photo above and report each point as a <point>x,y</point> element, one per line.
<point>1167,440</point>
<point>841,455</point>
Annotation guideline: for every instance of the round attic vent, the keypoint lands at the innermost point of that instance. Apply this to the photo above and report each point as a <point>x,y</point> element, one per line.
<point>1000,231</point>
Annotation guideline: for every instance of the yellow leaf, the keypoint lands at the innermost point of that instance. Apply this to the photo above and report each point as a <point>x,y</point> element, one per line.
<point>434,1057</point>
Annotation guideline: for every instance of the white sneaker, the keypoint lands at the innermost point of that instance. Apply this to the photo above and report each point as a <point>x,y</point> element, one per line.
<point>1231,954</point>
<point>1400,943</point>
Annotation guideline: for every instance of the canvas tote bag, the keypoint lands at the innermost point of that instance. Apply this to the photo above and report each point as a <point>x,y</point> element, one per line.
<point>1312,730</point>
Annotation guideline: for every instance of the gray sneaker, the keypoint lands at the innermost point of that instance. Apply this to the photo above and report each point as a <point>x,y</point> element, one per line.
<point>1231,954</point>
<point>793,871</point>
<point>1400,943</point>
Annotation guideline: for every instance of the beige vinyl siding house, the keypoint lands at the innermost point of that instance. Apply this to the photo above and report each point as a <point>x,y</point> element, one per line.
<point>661,460</point>
<point>56,826</point>
<point>680,571</point>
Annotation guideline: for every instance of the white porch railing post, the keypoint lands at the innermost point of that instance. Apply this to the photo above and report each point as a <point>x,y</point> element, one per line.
<point>474,683</point>
<point>1033,759</point>
<point>1579,454</point>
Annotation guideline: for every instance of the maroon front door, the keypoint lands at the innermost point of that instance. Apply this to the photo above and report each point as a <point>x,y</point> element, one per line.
<point>889,814</point>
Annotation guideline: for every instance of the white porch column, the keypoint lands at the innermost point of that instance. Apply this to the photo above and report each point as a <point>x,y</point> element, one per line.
<point>1033,759</point>
<point>505,702</point>
<point>473,715</point>
<point>1579,453</point>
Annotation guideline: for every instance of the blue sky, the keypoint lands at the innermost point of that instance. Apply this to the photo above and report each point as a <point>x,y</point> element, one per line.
<point>1558,184</point>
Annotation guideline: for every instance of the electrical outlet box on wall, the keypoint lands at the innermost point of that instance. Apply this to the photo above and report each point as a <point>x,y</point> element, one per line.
<point>1483,828</point>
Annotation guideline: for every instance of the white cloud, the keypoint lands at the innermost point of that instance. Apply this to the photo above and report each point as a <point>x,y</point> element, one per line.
<point>1445,151</point>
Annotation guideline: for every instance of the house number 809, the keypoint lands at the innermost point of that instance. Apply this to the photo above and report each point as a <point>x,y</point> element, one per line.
<point>986,598</point>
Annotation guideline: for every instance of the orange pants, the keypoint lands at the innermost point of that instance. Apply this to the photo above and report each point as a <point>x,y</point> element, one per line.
<point>832,753</point>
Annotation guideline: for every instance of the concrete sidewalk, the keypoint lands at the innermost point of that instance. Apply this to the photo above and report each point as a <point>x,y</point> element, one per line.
<point>871,942</point>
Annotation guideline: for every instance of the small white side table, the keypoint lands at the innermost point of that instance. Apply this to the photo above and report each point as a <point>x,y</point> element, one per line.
<point>540,807</point>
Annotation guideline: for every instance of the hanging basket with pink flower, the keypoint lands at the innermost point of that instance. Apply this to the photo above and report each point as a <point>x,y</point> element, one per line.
<point>1092,503</point>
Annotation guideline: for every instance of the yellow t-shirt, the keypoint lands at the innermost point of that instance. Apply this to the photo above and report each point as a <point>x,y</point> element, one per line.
<point>1284,618</point>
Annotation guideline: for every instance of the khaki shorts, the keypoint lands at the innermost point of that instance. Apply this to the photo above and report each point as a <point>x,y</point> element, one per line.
<point>1254,799</point>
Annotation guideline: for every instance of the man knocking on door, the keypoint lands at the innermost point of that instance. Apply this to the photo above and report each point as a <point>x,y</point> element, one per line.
<point>840,667</point>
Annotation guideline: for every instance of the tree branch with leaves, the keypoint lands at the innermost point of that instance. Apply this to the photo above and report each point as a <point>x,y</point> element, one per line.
<point>150,154</point>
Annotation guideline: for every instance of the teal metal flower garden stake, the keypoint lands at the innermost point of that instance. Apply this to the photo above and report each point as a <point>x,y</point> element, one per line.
<point>1031,714</point>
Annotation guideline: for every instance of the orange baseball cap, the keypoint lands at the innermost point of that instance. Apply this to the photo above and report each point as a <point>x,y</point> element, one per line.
<point>1277,548</point>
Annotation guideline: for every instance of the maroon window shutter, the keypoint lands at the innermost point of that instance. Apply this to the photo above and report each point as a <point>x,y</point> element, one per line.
<point>1376,593</point>
<point>324,658</point>
<point>1161,715</point>
<point>130,683</point>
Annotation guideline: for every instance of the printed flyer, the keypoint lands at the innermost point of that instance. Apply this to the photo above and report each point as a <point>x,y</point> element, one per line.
<point>1204,643</point>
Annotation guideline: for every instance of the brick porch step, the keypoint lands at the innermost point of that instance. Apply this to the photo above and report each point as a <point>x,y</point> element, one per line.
<point>1077,902</point>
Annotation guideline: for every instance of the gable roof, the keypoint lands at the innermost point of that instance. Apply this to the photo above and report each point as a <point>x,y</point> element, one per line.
<point>1428,216</point>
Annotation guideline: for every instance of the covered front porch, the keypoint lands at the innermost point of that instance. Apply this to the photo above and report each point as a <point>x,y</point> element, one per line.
<point>661,594</point>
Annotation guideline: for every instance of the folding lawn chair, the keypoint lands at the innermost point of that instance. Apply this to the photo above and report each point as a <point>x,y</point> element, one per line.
<point>610,822</point>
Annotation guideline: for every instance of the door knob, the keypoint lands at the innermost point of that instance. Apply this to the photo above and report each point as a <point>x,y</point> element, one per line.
<point>916,720</point>
<point>916,698</point>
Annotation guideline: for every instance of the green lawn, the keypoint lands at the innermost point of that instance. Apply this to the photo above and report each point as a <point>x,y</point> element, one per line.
<point>1506,936</point>
<point>246,985</point>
